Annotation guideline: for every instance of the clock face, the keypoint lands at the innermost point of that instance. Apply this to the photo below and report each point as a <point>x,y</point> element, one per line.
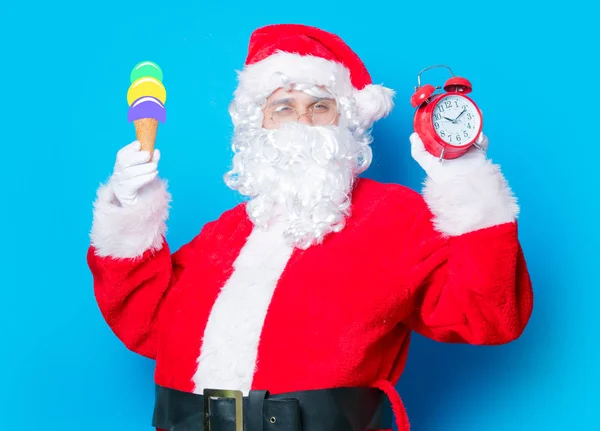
<point>456,120</point>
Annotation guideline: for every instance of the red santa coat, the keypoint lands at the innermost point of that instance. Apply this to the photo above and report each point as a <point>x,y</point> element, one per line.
<point>237,308</point>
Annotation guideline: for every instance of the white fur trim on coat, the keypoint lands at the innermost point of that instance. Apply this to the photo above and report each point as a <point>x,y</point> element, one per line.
<point>257,81</point>
<point>467,203</point>
<point>127,232</point>
<point>229,352</point>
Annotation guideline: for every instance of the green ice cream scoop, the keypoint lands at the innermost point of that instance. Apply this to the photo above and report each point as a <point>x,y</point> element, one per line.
<point>146,69</point>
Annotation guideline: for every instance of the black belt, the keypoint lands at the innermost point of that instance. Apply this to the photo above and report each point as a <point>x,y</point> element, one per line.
<point>336,409</point>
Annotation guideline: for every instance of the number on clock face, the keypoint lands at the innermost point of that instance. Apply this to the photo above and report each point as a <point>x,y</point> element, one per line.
<point>456,120</point>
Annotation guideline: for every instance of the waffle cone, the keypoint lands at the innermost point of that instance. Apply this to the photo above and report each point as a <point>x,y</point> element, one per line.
<point>145,132</point>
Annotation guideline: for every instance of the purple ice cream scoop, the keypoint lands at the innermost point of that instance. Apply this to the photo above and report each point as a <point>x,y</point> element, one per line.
<point>147,107</point>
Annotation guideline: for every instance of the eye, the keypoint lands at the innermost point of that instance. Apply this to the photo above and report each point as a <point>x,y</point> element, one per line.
<point>284,110</point>
<point>321,108</point>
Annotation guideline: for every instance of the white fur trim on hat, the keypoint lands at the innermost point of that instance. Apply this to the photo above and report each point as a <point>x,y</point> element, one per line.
<point>127,232</point>
<point>257,81</point>
<point>374,102</point>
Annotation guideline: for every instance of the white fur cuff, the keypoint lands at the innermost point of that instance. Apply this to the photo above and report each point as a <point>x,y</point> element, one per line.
<point>475,201</point>
<point>127,232</point>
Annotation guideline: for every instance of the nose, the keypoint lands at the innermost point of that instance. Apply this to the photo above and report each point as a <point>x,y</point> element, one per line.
<point>305,118</point>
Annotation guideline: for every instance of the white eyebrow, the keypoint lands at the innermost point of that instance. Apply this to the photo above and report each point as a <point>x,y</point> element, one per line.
<point>289,100</point>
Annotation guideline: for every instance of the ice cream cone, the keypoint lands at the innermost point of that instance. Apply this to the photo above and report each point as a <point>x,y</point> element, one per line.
<point>146,98</point>
<point>145,131</point>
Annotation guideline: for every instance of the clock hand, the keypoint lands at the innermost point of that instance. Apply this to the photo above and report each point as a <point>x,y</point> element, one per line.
<point>459,115</point>
<point>449,119</point>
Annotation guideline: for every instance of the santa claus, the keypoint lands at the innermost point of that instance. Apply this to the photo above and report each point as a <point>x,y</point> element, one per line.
<point>293,310</point>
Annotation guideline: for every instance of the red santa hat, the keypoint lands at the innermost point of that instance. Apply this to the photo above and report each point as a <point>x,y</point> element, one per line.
<point>285,54</point>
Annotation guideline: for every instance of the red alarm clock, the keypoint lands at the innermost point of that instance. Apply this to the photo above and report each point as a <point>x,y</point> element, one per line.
<point>447,122</point>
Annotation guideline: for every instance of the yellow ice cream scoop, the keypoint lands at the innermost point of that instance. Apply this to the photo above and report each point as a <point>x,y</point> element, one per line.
<point>146,86</point>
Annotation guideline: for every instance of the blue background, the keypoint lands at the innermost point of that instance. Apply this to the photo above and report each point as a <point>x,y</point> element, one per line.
<point>64,71</point>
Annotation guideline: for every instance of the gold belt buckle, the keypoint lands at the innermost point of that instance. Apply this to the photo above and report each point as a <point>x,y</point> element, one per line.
<point>224,393</point>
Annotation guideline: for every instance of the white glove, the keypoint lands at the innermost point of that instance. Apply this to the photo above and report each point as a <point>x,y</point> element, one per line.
<point>440,171</point>
<point>133,170</point>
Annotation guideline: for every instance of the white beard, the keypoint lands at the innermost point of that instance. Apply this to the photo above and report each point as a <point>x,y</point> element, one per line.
<point>300,175</point>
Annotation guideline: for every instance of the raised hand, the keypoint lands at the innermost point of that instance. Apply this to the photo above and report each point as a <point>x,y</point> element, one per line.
<point>443,170</point>
<point>133,170</point>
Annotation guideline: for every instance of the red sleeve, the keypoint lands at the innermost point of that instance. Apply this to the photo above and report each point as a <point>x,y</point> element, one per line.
<point>131,292</point>
<point>473,288</point>
<point>468,275</point>
<point>132,265</point>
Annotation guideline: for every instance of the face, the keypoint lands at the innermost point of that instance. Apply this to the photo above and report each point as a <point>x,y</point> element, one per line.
<point>456,120</point>
<point>295,173</point>
<point>297,106</point>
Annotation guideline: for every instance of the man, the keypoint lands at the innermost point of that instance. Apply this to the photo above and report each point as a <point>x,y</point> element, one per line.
<point>316,282</point>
